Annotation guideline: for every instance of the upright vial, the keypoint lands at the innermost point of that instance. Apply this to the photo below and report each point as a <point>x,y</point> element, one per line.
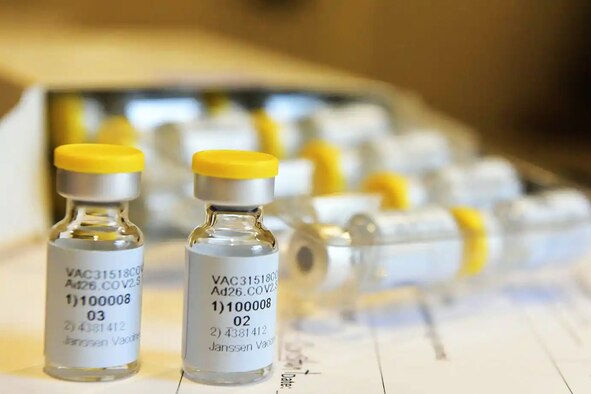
<point>94,266</point>
<point>231,271</point>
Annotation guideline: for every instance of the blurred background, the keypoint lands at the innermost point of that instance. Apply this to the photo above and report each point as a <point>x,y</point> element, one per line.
<point>518,71</point>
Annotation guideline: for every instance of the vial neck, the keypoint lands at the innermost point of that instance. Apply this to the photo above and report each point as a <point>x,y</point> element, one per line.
<point>94,211</point>
<point>243,218</point>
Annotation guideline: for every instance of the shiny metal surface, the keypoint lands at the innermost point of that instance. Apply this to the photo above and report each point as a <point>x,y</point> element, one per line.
<point>234,192</point>
<point>98,187</point>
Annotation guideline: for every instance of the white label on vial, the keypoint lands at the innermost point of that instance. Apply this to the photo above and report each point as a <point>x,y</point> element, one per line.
<point>422,246</point>
<point>92,316</point>
<point>230,312</point>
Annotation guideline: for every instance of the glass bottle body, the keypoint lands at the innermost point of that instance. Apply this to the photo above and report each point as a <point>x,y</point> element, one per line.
<point>398,249</point>
<point>103,227</point>
<point>230,232</point>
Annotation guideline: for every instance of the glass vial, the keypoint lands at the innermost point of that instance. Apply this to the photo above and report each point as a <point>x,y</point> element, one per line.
<point>94,266</point>
<point>382,250</point>
<point>416,152</point>
<point>550,227</point>
<point>481,184</point>
<point>387,249</point>
<point>348,124</point>
<point>413,154</point>
<point>231,272</point>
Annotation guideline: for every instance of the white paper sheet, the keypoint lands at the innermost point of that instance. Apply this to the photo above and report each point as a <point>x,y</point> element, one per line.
<point>529,336</point>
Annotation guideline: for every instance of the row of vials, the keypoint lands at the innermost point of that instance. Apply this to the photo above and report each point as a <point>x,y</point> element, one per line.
<point>350,242</point>
<point>318,161</point>
<point>351,147</point>
<point>323,148</point>
<point>95,268</point>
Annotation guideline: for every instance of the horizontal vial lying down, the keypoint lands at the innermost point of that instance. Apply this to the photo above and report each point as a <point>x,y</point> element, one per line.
<point>414,153</point>
<point>283,133</point>
<point>550,227</point>
<point>348,124</point>
<point>388,249</point>
<point>294,179</point>
<point>180,140</point>
<point>480,184</point>
<point>335,209</point>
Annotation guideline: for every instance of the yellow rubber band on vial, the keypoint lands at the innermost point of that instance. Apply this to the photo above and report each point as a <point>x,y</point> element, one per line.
<point>235,164</point>
<point>393,188</point>
<point>328,175</point>
<point>98,158</point>
<point>474,230</point>
<point>269,133</point>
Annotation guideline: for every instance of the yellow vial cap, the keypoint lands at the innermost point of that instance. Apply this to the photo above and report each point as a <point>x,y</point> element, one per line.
<point>475,235</point>
<point>328,174</point>
<point>98,158</point>
<point>235,164</point>
<point>393,188</point>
